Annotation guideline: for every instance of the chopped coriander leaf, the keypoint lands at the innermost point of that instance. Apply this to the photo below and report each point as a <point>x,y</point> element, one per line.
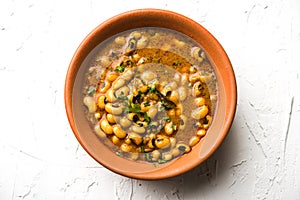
<point>131,107</point>
<point>167,118</point>
<point>151,126</point>
<point>134,108</point>
<point>119,154</point>
<point>152,88</point>
<point>174,127</point>
<point>148,156</point>
<point>142,149</point>
<point>91,91</point>
<point>146,104</point>
<point>160,161</point>
<point>147,118</point>
<point>162,108</point>
<point>167,104</point>
<point>120,68</point>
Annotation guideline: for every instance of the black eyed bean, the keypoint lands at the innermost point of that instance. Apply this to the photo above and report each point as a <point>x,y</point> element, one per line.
<point>115,140</point>
<point>183,148</point>
<point>101,102</point>
<point>118,83</point>
<point>104,61</point>
<point>155,155</point>
<point>135,35</point>
<point>98,115</point>
<point>90,103</point>
<point>200,101</point>
<point>131,45</point>
<point>179,43</point>
<point>109,108</point>
<point>194,140</point>
<point>110,95</point>
<point>209,120</point>
<point>162,142</point>
<point>182,93</point>
<point>110,118</point>
<point>125,122</point>
<point>142,42</point>
<point>134,155</point>
<point>99,131</point>
<point>193,69</point>
<point>199,112</point>
<point>197,89</point>
<point>105,86</point>
<point>193,78</point>
<point>152,112</point>
<point>112,76</point>
<point>138,129</point>
<point>122,92</point>
<point>135,138</point>
<point>126,147</point>
<point>120,40</point>
<point>105,126</point>
<point>178,109</point>
<point>196,52</point>
<point>183,121</point>
<point>169,128</point>
<point>174,96</point>
<point>147,76</point>
<point>201,133</point>
<point>172,142</point>
<point>166,156</point>
<point>175,152</point>
<point>119,132</point>
<point>128,74</point>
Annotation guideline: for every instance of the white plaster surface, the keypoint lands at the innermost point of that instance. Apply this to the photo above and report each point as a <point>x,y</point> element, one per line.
<point>41,159</point>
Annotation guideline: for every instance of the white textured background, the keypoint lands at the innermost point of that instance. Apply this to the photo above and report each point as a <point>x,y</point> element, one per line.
<point>41,159</point>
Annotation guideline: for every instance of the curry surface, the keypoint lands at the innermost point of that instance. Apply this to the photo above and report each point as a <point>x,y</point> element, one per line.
<point>168,73</point>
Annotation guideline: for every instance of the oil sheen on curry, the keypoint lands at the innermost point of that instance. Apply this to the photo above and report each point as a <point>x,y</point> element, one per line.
<point>150,94</point>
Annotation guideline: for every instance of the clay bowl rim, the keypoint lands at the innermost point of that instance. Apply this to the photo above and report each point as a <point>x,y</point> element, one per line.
<point>172,20</point>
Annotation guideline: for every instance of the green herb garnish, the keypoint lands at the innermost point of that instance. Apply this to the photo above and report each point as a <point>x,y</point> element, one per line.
<point>120,68</point>
<point>167,118</point>
<point>119,154</point>
<point>134,108</point>
<point>91,91</point>
<point>162,108</point>
<point>148,156</point>
<point>152,88</point>
<point>160,161</point>
<point>147,118</point>
<point>174,127</point>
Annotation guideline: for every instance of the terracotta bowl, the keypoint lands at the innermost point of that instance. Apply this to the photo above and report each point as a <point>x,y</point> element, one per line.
<point>224,114</point>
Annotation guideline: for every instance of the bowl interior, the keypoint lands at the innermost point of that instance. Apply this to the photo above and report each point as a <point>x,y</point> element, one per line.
<point>225,106</point>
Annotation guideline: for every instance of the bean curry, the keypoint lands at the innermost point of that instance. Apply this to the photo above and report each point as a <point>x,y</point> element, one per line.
<point>150,94</point>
